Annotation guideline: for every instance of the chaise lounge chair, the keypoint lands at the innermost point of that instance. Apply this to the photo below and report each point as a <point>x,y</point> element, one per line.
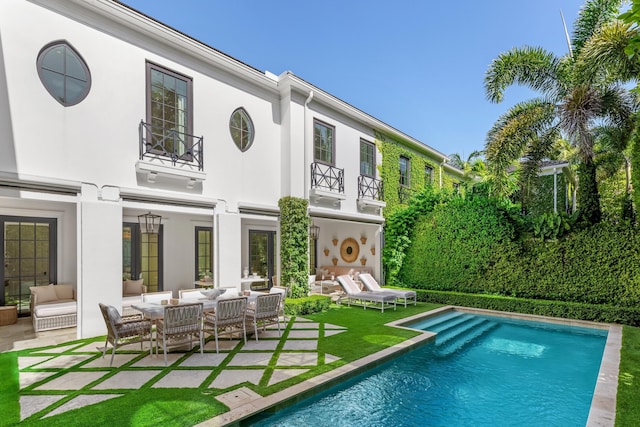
<point>372,285</point>
<point>355,296</point>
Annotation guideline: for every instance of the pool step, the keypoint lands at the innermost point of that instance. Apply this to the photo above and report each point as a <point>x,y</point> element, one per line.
<point>433,324</point>
<point>453,343</point>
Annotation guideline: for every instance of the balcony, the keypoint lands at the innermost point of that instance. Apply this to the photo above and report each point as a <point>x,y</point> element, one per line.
<point>370,193</point>
<point>327,183</point>
<point>171,154</point>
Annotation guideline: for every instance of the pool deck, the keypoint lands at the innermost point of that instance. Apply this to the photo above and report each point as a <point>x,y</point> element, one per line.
<point>244,403</point>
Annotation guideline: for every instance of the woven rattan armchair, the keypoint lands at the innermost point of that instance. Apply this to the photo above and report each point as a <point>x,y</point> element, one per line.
<point>123,331</point>
<point>228,318</point>
<point>179,325</point>
<point>266,311</point>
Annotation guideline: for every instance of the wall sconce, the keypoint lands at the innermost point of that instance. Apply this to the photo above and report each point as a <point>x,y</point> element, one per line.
<point>314,231</point>
<point>149,223</point>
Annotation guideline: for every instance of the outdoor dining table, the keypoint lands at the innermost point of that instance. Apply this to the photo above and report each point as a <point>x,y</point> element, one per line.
<point>155,310</point>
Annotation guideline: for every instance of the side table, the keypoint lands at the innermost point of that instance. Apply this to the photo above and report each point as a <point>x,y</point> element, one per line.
<point>8,315</point>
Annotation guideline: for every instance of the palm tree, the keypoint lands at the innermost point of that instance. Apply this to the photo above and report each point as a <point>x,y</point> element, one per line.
<point>472,166</point>
<point>573,102</point>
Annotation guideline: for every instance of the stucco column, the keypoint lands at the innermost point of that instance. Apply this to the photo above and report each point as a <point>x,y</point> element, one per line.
<point>227,259</point>
<point>99,257</point>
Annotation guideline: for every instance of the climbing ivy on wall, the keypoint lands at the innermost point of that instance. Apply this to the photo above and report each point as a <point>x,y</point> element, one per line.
<point>391,151</point>
<point>294,245</point>
<point>537,198</point>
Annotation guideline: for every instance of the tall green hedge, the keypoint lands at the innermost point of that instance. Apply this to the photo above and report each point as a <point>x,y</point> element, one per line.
<point>475,246</point>
<point>294,245</point>
<point>455,243</point>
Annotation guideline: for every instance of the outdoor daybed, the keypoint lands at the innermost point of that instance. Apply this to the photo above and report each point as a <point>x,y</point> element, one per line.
<point>53,307</point>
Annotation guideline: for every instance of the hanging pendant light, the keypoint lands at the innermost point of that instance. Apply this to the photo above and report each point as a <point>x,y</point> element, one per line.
<point>149,223</point>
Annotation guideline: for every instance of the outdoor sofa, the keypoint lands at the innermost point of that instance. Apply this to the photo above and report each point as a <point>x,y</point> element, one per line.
<point>53,307</point>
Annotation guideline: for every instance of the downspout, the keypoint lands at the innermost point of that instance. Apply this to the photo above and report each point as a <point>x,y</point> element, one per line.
<point>441,168</point>
<point>307,138</point>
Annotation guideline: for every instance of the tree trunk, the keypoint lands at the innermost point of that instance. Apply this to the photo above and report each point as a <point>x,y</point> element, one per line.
<point>589,212</point>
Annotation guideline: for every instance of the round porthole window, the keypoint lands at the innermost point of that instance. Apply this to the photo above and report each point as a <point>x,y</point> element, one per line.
<point>241,128</point>
<point>64,73</point>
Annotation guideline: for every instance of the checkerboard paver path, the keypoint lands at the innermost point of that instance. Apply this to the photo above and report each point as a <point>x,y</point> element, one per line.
<point>52,380</point>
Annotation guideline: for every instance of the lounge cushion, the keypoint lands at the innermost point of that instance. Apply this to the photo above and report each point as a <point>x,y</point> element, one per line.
<point>132,287</point>
<point>45,293</point>
<point>55,308</point>
<point>64,291</point>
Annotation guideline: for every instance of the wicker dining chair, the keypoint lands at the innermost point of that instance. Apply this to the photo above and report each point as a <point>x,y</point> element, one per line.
<point>266,311</point>
<point>228,319</point>
<point>121,331</point>
<point>179,325</point>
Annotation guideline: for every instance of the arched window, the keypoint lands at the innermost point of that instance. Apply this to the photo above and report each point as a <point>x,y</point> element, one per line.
<point>241,128</point>
<point>63,73</point>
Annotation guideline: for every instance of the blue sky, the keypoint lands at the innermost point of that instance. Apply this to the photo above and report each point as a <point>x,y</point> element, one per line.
<point>416,65</point>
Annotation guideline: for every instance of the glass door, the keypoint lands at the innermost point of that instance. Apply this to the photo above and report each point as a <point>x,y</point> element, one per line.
<point>28,256</point>
<point>262,253</point>
<point>142,256</point>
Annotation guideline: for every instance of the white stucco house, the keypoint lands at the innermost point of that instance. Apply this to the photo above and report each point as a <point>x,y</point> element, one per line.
<point>107,115</point>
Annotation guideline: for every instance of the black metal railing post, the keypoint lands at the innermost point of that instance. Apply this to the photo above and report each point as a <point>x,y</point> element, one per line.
<point>327,177</point>
<point>180,147</point>
<point>370,188</point>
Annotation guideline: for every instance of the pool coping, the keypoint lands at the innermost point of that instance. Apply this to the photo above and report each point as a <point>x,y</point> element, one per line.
<point>603,404</point>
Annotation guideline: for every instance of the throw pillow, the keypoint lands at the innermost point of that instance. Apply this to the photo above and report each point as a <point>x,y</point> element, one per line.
<point>44,293</point>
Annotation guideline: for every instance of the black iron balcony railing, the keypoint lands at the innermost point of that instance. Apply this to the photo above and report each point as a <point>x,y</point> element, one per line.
<point>179,147</point>
<point>370,188</point>
<point>404,194</point>
<point>326,177</point>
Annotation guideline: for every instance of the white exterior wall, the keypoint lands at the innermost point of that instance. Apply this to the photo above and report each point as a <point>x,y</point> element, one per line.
<point>88,152</point>
<point>96,140</point>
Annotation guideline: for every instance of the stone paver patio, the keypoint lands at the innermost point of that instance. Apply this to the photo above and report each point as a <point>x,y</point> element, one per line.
<point>50,375</point>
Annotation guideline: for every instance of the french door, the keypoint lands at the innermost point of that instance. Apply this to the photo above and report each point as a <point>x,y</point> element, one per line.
<point>142,256</point>
<point>29,248</point>
<point>262,253</point>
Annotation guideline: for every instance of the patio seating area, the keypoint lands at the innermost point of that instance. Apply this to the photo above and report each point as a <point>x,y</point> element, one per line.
<point>72,372</point>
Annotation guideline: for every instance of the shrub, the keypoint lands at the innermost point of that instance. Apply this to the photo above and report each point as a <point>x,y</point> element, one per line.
<point>567,310</point>
<point>307,305</point>
<point>454,244</point>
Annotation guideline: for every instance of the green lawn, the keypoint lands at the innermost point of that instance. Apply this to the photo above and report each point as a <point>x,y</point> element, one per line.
<point>627,407</point>
<point>366,335</point>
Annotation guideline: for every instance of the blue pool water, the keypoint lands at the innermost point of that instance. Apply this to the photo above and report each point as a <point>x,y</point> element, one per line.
<point>481,371</point>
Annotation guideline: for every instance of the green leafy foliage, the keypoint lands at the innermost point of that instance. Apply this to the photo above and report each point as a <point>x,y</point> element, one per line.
<point>307,305</point>
<point>567,310</point>
<point>294,244</point>
<point>390,173</point>
<point>478,245</point>
<point>399,230</point>
<point>455,242</point>
<point>551,226</point>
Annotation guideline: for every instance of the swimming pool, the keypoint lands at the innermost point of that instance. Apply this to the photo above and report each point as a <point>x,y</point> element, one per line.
<point>481,370</point>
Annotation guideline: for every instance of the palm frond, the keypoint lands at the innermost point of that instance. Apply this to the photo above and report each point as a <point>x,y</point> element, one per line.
<point>593,15</point>
<point>603,56</point>
<point>537,151</point>
<point>533,67</point>
<point>515,134</point>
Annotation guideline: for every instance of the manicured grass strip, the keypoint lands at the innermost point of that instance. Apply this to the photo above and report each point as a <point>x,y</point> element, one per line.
<point>366,331</point>
<point>9,408</point>
<point>627,407</point>
<point>162,407</point>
